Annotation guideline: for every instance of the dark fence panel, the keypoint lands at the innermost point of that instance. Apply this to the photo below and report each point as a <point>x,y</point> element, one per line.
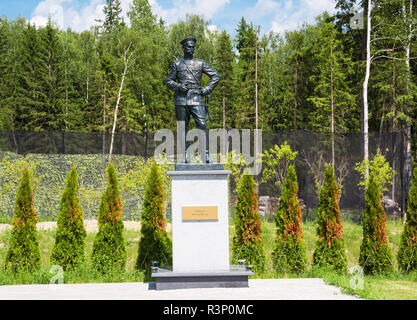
<point>313,148</point>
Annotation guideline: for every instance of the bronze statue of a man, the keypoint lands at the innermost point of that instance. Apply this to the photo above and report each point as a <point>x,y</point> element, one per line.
<point>185,79</point>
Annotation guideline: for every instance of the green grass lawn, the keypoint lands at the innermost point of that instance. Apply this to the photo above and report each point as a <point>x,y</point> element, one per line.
<point>85,274</point>
<point>393,286</point>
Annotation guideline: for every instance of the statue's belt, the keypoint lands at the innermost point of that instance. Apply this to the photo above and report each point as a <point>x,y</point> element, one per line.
<point>192,86</point>
<point>193,90</point>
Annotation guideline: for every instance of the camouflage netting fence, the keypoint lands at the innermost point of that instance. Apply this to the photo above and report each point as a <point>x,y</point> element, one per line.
<point>54,153</point>
<point>49,182</point>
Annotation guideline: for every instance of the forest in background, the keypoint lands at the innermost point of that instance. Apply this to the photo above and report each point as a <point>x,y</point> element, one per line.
<point>307,79</point>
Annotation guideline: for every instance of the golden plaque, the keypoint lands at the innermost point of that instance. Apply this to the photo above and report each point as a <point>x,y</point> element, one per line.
<point>201,213</point>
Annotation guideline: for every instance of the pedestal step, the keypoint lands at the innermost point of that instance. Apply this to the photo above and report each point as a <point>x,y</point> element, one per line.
<point>198,166</point>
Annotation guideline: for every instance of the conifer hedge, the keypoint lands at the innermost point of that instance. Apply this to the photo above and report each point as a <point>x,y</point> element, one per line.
<point>247,242</point>
<point>109,248</point>
<point>23,253</point>
<point>407,252</point>
<point>289,254</point>
<point>375,255</point>
<point>154,244</point>
<point>68,251</point>
<point>330,246</point>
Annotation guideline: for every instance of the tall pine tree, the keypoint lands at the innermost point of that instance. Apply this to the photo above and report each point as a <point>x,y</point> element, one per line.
<point>112,12</point>
<point>4,54</point>
<point>148,98</point>
<point>296,51</point>
<point>30,95</point>
<point>276,115</point>
<point>223,96</point>
<point>247,44</point>
<point>332,98</point>
<point>52,79</point>
<point>88,81</point>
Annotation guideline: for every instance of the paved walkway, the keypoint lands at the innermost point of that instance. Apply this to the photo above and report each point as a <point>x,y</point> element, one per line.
<point>259,289</point>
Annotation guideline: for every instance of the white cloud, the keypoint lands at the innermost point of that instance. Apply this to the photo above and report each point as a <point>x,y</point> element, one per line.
<point>291,14</point>
<point>293,18</point>
<point>287,15</point>
<point>49,8</point>
<point>180,8</point>
<point>67,14</point>
<point>263,8</point>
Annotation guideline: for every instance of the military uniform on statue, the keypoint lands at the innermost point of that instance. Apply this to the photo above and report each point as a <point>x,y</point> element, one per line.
<point>185,79</point>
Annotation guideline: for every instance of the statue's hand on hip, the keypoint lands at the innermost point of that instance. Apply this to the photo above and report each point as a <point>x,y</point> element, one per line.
<point>183,88</point>
<point>204,91</point>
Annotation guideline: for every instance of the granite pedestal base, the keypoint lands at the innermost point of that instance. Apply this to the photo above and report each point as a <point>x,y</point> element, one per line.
<point>170,280</point>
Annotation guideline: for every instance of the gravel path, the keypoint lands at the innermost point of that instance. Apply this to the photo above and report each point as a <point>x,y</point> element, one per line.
<point>90,226</point>
<point>259,289</point>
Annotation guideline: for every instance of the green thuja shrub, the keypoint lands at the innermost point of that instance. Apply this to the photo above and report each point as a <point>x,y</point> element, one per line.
<point>407,252</point>
<point>375,255</point>
<point>109,247</point>
<point>68,251</point>
<point>154,244</point>
<point>247,242</point>
<point>330,247</point>
<point>289,254</point>
<point>23,253</point>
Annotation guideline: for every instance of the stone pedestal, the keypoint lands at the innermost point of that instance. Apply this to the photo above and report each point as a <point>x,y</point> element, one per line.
<point>200,231</point>
<point>200,245</point>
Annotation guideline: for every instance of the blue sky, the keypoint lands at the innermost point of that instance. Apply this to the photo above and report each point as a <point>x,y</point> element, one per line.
<point>276,15</point>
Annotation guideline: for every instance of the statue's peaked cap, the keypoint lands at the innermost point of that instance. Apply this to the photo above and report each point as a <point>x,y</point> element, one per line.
<point>188,39</point>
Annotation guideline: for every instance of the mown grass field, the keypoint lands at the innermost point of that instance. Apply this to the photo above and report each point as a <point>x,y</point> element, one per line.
<point>393,286</point>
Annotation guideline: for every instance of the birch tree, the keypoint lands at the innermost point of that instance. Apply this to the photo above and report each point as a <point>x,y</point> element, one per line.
<point>389,34</point>
<point>128,58</point>
<point>366,83</point>
<point>332,93</point>
<point>408,20</point>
